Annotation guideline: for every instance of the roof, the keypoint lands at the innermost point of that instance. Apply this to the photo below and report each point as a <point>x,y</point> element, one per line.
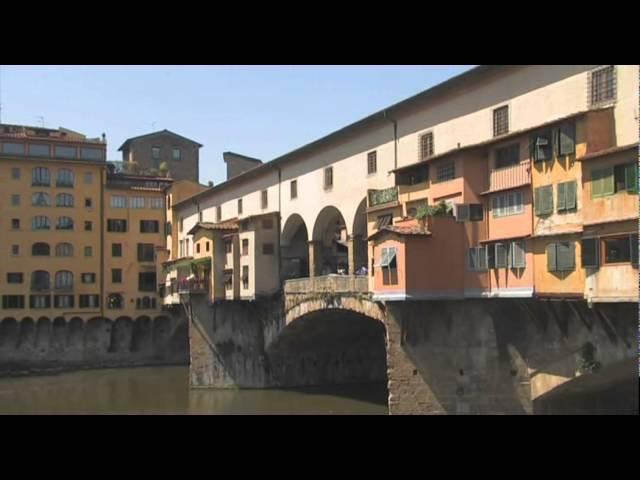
<point>244,157</point>
<point>383,115</point>
<point>608,151</point>
<point>226,225</point>
<point>404,230</point>
<point>60,134</point>
<point>160,132</point>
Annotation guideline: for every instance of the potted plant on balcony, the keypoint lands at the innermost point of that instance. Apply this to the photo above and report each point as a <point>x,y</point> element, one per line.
<point>425,212</point>
<point>164,169</point>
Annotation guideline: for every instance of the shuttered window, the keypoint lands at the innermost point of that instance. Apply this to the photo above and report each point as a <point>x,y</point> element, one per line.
<point>508,156</point>
<point>566,194</point>
<point>590,253</point>
<point>478,259</point>
<point>602,182</point>
<point>389,265</point>
<point>561,257</point>
<point>518,256</point>
<point>502,255</point>
<point>543,200</point>
<point>567,139</point>
<point>541,146</point>
<point>626,177</point>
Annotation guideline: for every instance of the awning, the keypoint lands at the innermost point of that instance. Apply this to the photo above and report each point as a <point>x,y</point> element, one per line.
<point>204,261</point>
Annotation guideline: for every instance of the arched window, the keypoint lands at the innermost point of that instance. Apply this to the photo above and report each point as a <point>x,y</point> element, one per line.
<point>40,280</point>
<point>40,223</point>
<point>64,200</point>
<point>40,199</point>
<point>64,250</point>
<point>40,177</point>
<point>114,301</point>
<point>40,248</point>
<point>64,223</point>
<point>65,178</point>
<point>64,280</point>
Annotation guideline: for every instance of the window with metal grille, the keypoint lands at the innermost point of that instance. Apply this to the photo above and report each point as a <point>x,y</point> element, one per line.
<point>64,223</point>
<point>40,199</point>
<point>507,156</point>
<point>64,178</point>
<point>40,177</point>
<point>426,145</point>
<point>40,222</point>
<point>245,246</point>
<point>116,275</point>
<point>245,277</point>
<point>40,249</point>
<point>328,177</point>
<point>64,280</point>
<point>14,277</point>
<point>89,301</point>
<point>501,121</point>
<point>64,250</point>
<point>264,199</point>
<point>147,281</point>
<point>64,200</point>
<point>445,171</point>
<point>602,88</point>
<point>239,206</point>
<point>267,249</point>
<point>294,189</point>
<point>12,301</point>
<point>146,252</point>
<point>40,280</point>
<point>372,162</point>
<point>149,226</point>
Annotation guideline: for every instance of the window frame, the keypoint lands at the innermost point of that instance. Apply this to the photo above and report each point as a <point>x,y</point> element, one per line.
<point>372,162</point>
<point>498,127</point>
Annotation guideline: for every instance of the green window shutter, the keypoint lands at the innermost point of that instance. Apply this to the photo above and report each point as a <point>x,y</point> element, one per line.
<point>491,258</point>
<point>631,177</point>
<point>551,257</point>
<point>565,256</point>
<point>473,261</point>
<point>571,190</point>
<point>633,239</point>
<point>571,261</point>
<point>567,139</point>
<point>562,205</point>
<point>602,182</point>
<point>608,186</point>
<point>596,183</point>
<point>518,259</point>
<point>536,201</point>
<point>590,253</point>
<point>501,255</point>
<point>546,194</point>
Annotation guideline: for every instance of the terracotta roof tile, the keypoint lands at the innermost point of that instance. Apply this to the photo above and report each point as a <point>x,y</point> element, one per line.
<point>401,230</point>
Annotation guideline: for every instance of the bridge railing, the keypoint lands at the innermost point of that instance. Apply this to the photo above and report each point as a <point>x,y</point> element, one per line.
<point>328,283</point>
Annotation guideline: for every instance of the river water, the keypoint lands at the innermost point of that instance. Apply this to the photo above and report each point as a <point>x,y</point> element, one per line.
<point>165,390</point>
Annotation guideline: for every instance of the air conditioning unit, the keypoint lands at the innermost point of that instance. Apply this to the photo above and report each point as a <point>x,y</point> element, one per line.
<point>461,212</point>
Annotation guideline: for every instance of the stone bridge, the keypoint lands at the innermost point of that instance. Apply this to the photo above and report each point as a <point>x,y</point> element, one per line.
<point>516,356</point>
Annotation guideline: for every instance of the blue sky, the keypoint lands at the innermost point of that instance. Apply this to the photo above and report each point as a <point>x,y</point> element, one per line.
<point>260,111</point>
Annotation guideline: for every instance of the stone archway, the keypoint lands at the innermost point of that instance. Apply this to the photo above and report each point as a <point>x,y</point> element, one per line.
<point>329,251</point>
<point>294,248</point>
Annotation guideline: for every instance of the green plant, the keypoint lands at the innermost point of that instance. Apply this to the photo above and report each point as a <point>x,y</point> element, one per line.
<point>440,209</point>
<point>164,169</point>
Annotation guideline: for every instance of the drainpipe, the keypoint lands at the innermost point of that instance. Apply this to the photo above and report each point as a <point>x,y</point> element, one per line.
<point>395,138</point>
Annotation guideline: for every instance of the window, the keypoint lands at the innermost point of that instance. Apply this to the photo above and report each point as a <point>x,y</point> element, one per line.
<point>239,206</point>
<point>116,249</point>
<point>207,246</point>
<point>64,223</point>
<point>89,301</point>
<point>64,178</point>
<point>589,250</point>
<point>501,121</point>
<point>15,224</point>
<point>602,88</point>
<point>118,201</point>
<point>88,177</point>
<point>88,203</point>
<point>508,156</point>
<point>149,226</point>
<point>40,177</point>
<point>618,250</point>
<point>115,301</point>
<point>228,246</point>
<point>177,156</point>
<point>63,301</point>
<point>65,152</point>
<point>15,250</point>
<point>507,204</point>
<point>426,146</point>
<point>245,277</point>
<point>543,200</point>
<point>372,162</point>
<point>91,154</point>
<point>267,223</point>
<point>40,249</point>
<point>15,173</point>
<point>518,255</point>
<point>197,248</point>
<point>116,275</point>
<point>476,212</point>
<point>602,182</point>
<point>626,177</point>
<point>245,246</point>
<point>64,250</point>
<point>478,259</point>
<point>155,153</point>
<point>228,279</point>
<point>181,248</point>
<point>40,199</point>
<point>64,280</point>
<point>88,278</point>
<point>501,255</point>
<point>88,226</point>
<point>156,203</point>
<point>267,249</point>
<point>39,150</point>
<point>445,171</point>
<point>389,265</point>
<point>146,252</point>
<point>384,220</point>
<point>88,251</point>
<point>15,200</point>
<point>13,301</point>
<point>116,225</point>
<point>40,301</point>
<point>566,194</point>
<point>561,257</point>
<point>147,281</point>
<point>541,146</point>
<point>328,178</point>
<point>264,199</point>
<point>294,189</point>
<point>218,213</point>
<point>40,223</point>
<point>14,277</point>
<point>567,139</point>
<point>13,148</point>
<point>64,200</point>
<point>40,280</point>
<point>136,202</point>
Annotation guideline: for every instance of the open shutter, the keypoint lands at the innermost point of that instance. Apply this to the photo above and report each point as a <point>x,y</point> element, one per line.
<point>501,255</point>
<point>544,200</point>
<point>571,260</point>
<point>473,259</point>
<point>571,195</point>
<point>602,182</point>
<point>481,258</point>
<point>562,204</point>
<point>536,202</point>
<point>518,259</point>
<point>633,240</point>
<point>551,257</point>
<point>566,140</point>
<point>631,177</point>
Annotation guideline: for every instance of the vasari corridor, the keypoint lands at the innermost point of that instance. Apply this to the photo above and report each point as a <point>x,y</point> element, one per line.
<point>253,240</point>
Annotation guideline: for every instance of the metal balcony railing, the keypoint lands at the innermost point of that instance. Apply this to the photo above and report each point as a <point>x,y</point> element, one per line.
<point>193,286</point>
<point>511,176</point>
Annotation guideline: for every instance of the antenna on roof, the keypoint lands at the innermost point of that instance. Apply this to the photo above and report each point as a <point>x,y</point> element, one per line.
<point>41,120</point>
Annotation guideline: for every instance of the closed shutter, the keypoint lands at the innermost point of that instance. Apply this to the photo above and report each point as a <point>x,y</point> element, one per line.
<point>589,254</point>
<point>602,182</point>
<point>566,141</point>
<point>562,197</point>
<point>565,256</point>
<point>481,258</point>
<point>536,201</point>
<point>491,257</point>
<point>571,195</point>
<point>518,258</point>
<point>634,249</point>
<point>462,212</point>
<point>551,257</point>
<point>544,200</point>
<point>631,177</point>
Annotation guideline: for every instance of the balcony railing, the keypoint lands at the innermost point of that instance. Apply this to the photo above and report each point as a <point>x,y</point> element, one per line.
<point>511,176</point>
<point>381,197</point>
<point>194,286</point>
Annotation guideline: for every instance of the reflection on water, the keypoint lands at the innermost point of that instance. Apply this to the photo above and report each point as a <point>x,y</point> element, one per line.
<point>165,390</point>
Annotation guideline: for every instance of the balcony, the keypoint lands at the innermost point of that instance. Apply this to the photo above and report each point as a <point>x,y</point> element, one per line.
<point>378,198</point>
<point>198,286</point>
<point>510,177</point>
